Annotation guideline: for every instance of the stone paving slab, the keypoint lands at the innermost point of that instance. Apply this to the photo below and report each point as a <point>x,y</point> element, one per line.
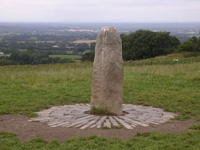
<point>107,124</point>
<point>77,116</point>
<point>113,121</point>
<point>126,125</point>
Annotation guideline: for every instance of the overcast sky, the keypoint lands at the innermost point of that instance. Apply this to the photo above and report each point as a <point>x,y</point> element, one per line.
<point>99,10</point>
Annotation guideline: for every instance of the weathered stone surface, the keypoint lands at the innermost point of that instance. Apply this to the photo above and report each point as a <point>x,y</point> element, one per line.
<point>107,80</point>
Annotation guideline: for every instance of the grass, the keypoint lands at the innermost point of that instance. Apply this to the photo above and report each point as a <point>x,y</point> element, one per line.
<point>26,89</point>
<point>69,52</point>
<point>87,51</point>
<point>195,127</point>
<point>22,50</point>
<point>100,111</point>
<point>144,141</point>
<point>177,58</point>
<point>173,86</point>
<point>70,57</point>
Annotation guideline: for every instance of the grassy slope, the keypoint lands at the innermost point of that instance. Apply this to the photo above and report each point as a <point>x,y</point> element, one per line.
<point>173,86</point>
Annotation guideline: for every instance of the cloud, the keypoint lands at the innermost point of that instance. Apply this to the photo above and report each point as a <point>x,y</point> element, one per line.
<point>100,10</point>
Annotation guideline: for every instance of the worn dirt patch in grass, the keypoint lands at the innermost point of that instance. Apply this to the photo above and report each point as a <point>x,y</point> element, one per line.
<point>26,130</point>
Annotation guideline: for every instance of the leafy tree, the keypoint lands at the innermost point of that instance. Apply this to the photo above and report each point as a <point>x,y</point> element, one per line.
<point>192,45</point>
<point>145,44</point>
<point>194,40</point>
<point>88,56</point>
<point>187,46</point>
<point>5,61</point>
<point>92,46</point>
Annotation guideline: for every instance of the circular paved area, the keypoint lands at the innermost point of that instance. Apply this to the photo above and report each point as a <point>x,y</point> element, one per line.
<point>76,116</point>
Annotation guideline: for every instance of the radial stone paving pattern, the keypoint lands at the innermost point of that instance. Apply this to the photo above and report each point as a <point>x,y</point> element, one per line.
<point>76,116</point>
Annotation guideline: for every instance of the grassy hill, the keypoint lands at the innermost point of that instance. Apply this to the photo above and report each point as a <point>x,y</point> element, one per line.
<point>176,58</point>
<point>170,82</point>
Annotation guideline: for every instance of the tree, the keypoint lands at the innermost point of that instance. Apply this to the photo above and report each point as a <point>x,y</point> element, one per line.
<point>187,46</point>
<point>5,61</point>
<point>92,46</point>
<point>88,56</point>
<point>145,44</point>
<point>192,45</point>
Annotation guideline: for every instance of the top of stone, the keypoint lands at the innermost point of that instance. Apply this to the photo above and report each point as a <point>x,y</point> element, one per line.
<point>109,29</point>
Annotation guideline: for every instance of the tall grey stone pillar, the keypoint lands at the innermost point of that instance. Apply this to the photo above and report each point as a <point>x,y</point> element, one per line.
<point>107,80</point>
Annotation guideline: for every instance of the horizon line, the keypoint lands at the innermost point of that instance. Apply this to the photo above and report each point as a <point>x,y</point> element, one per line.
<point>62,22</point>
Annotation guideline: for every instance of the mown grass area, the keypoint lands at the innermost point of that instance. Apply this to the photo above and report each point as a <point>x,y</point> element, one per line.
<point>144,141</point>
<point>70,57</point>
<point>26,89</point>
<point>172,86</point>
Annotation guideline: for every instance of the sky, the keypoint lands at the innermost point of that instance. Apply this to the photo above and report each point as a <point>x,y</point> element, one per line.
<point>139,11</point>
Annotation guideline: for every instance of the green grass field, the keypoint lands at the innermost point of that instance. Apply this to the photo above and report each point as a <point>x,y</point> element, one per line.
<point>22,50</point>
<point>69,52</point>
<point>145,141</point>
<point>159,82</point>
<point>87,51</point>
<point>70,57</point>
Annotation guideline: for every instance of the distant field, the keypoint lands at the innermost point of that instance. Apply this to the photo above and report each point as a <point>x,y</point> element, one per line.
<point>69,52</point>
<point>160,82</point>
<point>84,41</point>
<point>22,50</point>
<point>70,57</point>
<point>87,51</point>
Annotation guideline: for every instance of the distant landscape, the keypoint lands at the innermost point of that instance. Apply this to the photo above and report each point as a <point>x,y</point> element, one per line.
<point>42,43</point>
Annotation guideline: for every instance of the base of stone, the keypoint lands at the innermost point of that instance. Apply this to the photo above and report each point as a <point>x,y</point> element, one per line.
<point>77,116</point>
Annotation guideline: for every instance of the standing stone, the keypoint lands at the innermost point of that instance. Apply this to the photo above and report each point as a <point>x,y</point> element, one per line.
<point>107,80</point>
